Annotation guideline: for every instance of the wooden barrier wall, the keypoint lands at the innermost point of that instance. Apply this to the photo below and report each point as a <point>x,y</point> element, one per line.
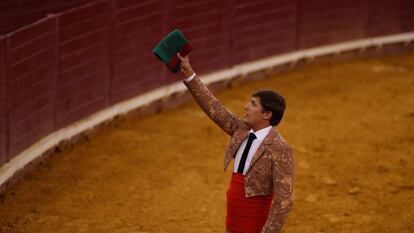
<point>3,110</point>
<point>68,65</point>
<point>15,14</point>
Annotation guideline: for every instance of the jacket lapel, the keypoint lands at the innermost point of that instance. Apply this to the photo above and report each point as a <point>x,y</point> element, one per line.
<point>235,143</point>
<point>268,140</point>
<point>238,139</point>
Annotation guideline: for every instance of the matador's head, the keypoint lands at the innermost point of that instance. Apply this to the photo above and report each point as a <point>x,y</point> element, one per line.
<point>266,107</point>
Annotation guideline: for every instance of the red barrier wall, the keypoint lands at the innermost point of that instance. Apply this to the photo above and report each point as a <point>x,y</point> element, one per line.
<point>3,110</point>
<point>83,67</point>
<point>136,24</point>
<point>208,30</point>
<point>388,17</point>
<point>262,28</point>
<point>71,64</point>
<point>331,21</point>
<point>15,14</point>
<point>30,83</point>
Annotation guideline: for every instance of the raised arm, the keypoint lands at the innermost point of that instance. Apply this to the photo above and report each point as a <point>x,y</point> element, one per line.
<point>226,120</point>
<point>283,182</point>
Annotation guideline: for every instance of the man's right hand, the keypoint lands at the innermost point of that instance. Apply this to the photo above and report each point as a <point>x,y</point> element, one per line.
<point>185,66</point>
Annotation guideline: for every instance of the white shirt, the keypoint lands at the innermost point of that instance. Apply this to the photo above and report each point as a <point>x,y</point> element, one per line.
<point>260,136</point>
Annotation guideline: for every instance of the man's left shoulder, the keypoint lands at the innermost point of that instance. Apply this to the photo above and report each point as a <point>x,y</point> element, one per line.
<point>280,145</point>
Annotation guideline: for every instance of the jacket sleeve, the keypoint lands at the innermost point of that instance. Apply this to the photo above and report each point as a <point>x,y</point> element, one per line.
<point>226,120</point>
<point>283,182</point>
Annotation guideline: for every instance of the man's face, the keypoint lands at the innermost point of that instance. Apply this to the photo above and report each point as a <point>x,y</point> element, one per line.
<point>253,112</point>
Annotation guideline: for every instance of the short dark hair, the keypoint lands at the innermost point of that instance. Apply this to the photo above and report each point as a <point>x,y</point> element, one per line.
<point>273,102</point>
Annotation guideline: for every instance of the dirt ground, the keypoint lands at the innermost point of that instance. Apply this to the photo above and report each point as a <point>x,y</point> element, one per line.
<point>351,125</point>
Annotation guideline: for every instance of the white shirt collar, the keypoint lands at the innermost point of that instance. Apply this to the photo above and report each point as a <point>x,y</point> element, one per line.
<point>262,133</point>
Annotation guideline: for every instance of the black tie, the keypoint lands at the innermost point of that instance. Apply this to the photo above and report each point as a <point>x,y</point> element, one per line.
<point>245,153</point>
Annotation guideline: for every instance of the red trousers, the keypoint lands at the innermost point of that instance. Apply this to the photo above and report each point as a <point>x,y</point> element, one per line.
<point>245,215</point>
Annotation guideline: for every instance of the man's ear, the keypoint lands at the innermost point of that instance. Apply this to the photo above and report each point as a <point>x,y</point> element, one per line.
<point>268,115</point>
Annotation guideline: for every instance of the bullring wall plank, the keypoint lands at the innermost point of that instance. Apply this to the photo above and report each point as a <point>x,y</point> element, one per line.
<point>3,108</point>
<point>390,16</point>
<point>83,65</point>
<point>30,84</point>
<point>262,28</point>
<point>137,27</point>
<point>323,22</point>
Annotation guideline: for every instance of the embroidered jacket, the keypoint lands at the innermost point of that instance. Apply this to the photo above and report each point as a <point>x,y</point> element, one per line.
<point>272,166</point>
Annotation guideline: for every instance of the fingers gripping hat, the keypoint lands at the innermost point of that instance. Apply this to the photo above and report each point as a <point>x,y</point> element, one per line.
<point>166,50</point>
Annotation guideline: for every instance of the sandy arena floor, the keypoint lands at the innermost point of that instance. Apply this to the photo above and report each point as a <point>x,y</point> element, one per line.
<point>351,125</point>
